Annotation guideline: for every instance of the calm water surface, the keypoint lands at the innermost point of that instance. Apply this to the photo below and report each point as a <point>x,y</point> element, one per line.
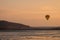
<point>30,35</point>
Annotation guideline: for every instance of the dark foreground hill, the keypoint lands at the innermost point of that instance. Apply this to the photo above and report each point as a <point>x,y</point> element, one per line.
<point>5,25</point>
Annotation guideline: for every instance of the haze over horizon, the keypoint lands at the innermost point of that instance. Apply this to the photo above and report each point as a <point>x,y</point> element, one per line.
<point>31,12</point>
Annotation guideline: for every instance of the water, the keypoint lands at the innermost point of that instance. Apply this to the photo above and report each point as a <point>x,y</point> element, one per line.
<point>30,35</point>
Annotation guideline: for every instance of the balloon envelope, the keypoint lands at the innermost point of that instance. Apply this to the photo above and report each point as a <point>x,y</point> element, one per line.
<point>47,17</point>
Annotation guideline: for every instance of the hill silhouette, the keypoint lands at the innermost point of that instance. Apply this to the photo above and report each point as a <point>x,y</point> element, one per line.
<point>5,25</point>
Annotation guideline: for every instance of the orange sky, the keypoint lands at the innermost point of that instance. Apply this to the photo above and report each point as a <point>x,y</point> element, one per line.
<point>31,12</point>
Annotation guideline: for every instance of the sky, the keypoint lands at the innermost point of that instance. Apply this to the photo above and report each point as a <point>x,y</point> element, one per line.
<point>31,12</point>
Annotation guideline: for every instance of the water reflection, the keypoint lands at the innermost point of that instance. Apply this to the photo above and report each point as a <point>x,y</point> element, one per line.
<point>31,35</point>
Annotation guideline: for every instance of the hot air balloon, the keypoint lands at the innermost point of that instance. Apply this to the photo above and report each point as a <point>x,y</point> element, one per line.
<point>47,17</point>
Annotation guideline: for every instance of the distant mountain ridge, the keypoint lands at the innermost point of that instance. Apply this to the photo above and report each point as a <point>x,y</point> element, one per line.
<point>10,25</point>
<point>5,25</point>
